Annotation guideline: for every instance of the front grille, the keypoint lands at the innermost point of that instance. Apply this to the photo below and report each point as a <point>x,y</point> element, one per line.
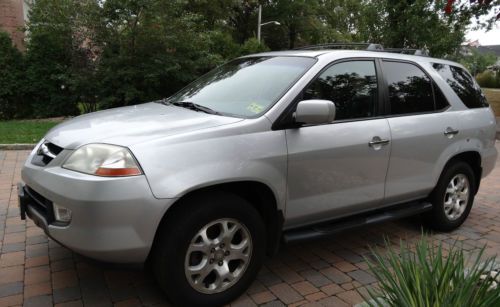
<point>45,153</point>
<point>40,204</point>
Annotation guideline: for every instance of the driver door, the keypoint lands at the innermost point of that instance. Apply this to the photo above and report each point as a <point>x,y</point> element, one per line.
<point>340,168</point>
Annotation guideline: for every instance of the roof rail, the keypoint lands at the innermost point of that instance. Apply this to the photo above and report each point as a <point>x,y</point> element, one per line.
<point>421,52</point>
<point>365,46</point>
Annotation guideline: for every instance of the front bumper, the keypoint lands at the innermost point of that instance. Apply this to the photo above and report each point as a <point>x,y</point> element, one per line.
<point>113,219</point>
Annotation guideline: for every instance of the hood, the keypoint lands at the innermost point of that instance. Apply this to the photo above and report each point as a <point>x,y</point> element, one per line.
<point>130,125</point>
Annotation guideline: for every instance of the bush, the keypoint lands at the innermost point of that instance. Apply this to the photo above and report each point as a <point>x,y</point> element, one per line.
<point>252,45</point>
<point>428,277</point>
<point>11,80</point>
<point>49,59</point>
<point>488,79</point>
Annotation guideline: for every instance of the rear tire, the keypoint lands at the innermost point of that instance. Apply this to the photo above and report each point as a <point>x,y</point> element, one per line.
<point>452,197</point>
<point>210,250</point>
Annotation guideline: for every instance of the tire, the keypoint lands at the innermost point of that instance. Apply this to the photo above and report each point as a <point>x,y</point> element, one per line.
<point>207,213</point>
<point>450,209</point>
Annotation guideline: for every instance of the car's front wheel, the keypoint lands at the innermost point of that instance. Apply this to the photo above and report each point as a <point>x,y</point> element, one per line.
<point>210,250</point>
<point>452,198</point>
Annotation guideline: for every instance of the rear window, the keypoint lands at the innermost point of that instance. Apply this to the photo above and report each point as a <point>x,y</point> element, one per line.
<point>463,85</point>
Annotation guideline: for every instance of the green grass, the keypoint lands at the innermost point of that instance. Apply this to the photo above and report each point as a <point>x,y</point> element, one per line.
<point>25,131</point>
<point>493,96</point>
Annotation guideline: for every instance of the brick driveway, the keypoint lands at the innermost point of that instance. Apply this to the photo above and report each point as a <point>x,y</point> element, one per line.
<point>36,271</point>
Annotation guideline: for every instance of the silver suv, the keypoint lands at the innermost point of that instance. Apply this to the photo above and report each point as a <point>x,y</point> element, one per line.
<point>268,148</point>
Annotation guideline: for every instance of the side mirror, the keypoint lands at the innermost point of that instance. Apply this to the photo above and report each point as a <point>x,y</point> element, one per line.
<point>315,112</point>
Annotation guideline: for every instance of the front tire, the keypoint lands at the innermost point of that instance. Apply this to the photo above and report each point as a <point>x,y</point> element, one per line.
<point>452,197</point>
<point>210,250</point>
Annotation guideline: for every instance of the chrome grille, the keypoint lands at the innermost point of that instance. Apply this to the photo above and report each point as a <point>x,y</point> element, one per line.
<point>45,153</point>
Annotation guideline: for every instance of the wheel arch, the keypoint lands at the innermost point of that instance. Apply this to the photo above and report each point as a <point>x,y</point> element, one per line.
<point>258,194</point>
<point>473,158</point>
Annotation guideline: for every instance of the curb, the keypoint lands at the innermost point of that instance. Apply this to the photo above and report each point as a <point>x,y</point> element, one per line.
<point>17,146</point>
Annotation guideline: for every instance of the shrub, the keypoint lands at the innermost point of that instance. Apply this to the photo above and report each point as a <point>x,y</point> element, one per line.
<point>428,277</point>
<point>252,45</point>
<point>11,80</point>
<point>49,58</point>
<point>488,79</point>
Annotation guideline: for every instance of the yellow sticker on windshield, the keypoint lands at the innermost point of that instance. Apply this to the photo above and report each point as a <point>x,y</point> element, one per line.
<point>255,108</point>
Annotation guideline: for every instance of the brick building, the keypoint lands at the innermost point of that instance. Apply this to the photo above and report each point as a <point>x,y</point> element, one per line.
<point>13,15</point>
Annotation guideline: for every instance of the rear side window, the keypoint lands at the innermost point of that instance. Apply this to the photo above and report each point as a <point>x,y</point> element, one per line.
<point>410,89</point>
<point>352,86</point>
<point>462,84</point>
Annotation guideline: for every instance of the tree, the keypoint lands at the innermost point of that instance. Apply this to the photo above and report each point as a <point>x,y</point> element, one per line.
<point>477,62</point>
<point>341,19</point>
<point>412,24</point>
<point>151,48</point>
<point>92,54</point>
<point>11,80</point>
<point>242,19</point>
<point>49,58</point>
<point>422,23</point>
<point>299,23</point>
<point>478,9</point>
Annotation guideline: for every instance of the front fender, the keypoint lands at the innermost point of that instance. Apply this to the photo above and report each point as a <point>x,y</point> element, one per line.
<point>176,166</point>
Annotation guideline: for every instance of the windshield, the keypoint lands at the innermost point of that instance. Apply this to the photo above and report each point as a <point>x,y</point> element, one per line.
<point>245,87</point>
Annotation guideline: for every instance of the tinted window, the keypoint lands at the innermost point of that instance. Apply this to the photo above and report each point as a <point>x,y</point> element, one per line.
<point>245,87</point>
<point>410,89</point>
<point>463,85</point>
<point>440,99</point>
<point>352,86</point>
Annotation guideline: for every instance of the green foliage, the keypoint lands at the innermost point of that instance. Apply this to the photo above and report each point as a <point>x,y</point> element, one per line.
<point>429,277</point>
<point>252,45</point>
<point>92,54</point>
<point>49,58</point>
<point>476,62</point>
<point>488,79</point>
<point>413,24</point>
<point>11,76</point>
<point>344,19</point>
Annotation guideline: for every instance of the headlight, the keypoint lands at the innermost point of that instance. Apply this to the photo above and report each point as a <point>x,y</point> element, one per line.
<point>103,160</point>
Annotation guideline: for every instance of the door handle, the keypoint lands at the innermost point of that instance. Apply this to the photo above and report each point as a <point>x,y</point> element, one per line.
<point>450,131</point>
<point>378,141</point>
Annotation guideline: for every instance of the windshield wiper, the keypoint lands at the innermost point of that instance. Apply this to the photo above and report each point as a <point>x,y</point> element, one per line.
<point>195,107</point>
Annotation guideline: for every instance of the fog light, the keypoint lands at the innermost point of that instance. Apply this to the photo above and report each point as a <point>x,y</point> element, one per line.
<point>62,214</point>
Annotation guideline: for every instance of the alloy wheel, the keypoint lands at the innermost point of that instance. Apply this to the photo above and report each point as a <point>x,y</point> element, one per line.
<point>218,256</point>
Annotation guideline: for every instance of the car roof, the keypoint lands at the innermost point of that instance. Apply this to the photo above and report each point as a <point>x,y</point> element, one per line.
<point>343,53</point>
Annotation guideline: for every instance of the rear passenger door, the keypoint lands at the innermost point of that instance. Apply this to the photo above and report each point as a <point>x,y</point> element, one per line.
<point>421,130</point>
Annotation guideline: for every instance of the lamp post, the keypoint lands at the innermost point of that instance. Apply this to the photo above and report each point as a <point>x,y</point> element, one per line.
<point>260,24</point>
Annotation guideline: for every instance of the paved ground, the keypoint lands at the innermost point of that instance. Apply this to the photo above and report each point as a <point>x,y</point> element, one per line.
<point>36,271</point>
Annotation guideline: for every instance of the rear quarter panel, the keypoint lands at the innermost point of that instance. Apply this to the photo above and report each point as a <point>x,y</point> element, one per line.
<point>477,133</point>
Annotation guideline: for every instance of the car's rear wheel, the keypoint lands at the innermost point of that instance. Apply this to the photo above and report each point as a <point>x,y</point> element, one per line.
<point>453,197</point>
<point>209,251</point>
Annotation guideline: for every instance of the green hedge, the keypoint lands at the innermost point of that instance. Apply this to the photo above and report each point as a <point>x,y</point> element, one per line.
<point>488,79</point>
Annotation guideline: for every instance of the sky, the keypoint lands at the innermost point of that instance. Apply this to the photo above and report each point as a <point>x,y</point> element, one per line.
<point>491,37</point>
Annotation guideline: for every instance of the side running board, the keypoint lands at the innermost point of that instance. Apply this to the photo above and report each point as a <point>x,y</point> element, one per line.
<point>370,218</point>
